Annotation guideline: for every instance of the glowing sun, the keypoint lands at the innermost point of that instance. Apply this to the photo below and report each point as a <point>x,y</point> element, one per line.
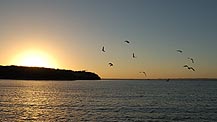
<point>35,59</point>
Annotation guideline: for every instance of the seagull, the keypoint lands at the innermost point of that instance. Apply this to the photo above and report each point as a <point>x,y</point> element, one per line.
<point>110,64</point>
<point>134,55</point>
<point>191,68</point>
<point>144,73</point>
<point>192,60</point>
<point>127,41</point>
<point>180,51</point>
<point>103,49</point>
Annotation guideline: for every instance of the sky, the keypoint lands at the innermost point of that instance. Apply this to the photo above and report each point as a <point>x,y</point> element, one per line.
<point>69,34</point>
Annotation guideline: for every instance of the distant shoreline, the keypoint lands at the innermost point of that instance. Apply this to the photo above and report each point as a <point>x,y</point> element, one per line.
<point>161,79</point>
<point>41,73</point>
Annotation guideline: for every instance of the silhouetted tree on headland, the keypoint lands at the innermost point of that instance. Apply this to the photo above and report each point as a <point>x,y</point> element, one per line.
<point>40,73</point>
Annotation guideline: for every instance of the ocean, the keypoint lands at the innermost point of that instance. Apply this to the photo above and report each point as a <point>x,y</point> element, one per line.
<point>108,101</point>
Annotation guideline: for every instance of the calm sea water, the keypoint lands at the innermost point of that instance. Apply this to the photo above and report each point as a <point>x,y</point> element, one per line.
<point>109,101</point>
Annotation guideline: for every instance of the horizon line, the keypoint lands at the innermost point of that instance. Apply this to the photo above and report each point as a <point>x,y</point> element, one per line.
<point>159,79</point>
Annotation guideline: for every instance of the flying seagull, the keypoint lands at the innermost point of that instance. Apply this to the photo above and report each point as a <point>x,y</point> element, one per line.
<point>103,49</point>
<point>110,64</point>
<point>191,68</point>
<point>192,60</point>
<point>144,73</point>
<point>180,51</point>
<point>134,55</point>
<point>127,41</point>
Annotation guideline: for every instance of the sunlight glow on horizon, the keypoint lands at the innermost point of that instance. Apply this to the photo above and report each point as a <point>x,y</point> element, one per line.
<point>34,58</point>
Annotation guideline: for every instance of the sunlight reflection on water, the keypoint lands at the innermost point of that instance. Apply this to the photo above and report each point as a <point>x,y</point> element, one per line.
<point>108,100</point>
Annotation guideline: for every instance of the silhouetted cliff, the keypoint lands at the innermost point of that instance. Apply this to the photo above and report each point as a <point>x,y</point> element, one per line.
<point>40,73</point>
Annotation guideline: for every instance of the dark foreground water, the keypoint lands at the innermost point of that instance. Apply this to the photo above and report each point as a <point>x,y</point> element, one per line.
<point>109,101</point>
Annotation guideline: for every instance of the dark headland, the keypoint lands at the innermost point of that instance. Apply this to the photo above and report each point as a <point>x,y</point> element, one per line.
<point>41,73</point>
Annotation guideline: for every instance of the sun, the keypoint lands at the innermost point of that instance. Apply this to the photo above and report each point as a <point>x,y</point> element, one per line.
<point>35,58</point>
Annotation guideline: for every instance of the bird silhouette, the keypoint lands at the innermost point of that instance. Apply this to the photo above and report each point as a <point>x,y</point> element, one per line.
<point>103,49</point>
<point>191,68</point>
<point>144,73</point>
<point>192,60</point>
<point>180,51</point>
<point>111,64</point>
<point>127,41</point>
<point>134,55</point>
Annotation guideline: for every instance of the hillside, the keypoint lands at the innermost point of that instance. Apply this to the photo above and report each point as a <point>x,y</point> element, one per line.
<point>41,73</point>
